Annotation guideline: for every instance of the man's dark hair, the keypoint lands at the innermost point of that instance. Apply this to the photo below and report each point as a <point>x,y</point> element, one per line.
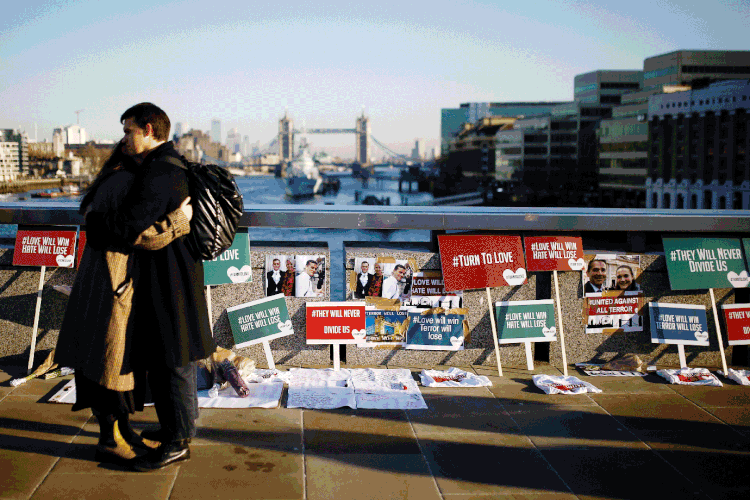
<point>591,263</point>
<point>145,113</point>
<point>311,262</point>
<point>397,267</point>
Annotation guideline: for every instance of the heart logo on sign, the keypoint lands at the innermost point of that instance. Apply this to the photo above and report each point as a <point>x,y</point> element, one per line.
<point>576,265</point>
<point>702,336</point>
<point>515,278</point>
<point>738,280</point>
<point>286,326</point>
<point>549,332</point>
<point>457,341</point>
<point>64,260</point>
<point>359,334</point>
<point>239,275</point>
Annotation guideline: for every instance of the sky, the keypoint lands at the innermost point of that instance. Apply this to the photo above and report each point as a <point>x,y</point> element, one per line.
<point>325,63</point>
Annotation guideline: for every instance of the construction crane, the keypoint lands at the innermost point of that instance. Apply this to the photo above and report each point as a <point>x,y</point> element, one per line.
<point>78,116</point>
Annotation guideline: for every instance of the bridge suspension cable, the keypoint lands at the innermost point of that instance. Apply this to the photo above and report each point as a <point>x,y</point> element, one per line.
<point>388,150</point>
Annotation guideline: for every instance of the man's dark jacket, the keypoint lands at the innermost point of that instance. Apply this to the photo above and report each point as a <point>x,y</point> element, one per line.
<point>169,305</point>
<point>273,288</point>
<point>362,290</point>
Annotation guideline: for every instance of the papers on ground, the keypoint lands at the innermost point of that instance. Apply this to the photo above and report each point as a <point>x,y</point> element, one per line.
<point>559,384</point>
<point>690,376</point>
<point>453,377</point>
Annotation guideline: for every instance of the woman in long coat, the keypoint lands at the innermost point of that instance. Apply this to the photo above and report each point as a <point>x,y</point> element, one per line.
<point>96,335</point>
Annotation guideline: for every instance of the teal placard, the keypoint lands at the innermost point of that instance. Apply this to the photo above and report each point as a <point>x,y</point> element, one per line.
<point>525,321</point>
<point>260,320</point>
<point>232,265</point>
<point>702,263</point>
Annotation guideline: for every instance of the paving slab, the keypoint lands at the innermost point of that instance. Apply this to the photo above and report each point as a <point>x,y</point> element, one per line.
<point>501,465</point>
<point>650,384</point>
<point>719,474</point>
<point>737,417</point>
<point>730,395</point>
<point>278,429</point>
<point>368,476</point>
<point>358,432</point>
<point>573,428</point>
<point>105,487</point>
<point>230,472</point>
<point>613,472</point>
<point>24,417</point>
<point>23,467</point>
<point>656,411</point>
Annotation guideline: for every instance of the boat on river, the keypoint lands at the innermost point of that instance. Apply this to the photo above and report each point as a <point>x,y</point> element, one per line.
<point>302,176</point>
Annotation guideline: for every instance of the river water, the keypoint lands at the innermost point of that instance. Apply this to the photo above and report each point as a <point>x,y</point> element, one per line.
<point>267,189</point>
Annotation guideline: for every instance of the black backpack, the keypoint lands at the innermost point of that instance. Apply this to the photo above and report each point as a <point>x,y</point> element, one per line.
<point>217,208</point>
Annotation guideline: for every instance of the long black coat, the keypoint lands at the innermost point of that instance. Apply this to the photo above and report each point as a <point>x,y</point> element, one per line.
<point>169,306</point>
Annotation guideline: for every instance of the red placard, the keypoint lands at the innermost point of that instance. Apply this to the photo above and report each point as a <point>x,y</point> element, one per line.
<point>44,248</point>
<point>335,322</point>
<point>81,246</point>
<point>479,261</point>
<point>554,253</point>
<point>737,318</point>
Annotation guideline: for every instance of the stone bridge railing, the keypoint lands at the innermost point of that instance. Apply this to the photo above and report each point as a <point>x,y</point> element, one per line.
<point>344,233</point>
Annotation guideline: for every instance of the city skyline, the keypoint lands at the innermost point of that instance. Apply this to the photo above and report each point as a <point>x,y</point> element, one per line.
<point>324,63</point>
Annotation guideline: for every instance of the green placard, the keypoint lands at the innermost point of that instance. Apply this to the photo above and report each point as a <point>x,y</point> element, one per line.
<point>260,320</point>
<point>525,321</point>
<point>232,265</point>
<point>702,263</point>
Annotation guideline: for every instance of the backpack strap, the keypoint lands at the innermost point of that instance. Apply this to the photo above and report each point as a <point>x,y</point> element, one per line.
<point>180,162</point>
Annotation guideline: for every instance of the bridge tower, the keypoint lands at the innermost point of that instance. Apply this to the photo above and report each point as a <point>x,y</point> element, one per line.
<point>286,139</point>
<point>361,140</point>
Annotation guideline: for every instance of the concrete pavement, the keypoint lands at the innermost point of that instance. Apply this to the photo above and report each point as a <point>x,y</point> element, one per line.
<point>641,438</point>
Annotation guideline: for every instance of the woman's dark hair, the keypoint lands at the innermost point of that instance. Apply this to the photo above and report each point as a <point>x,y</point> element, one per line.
<point>116,160</point>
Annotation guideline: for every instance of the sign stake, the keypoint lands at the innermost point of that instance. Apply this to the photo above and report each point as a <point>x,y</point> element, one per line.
<point>208,303</point>
<point>494,332</point>
<point>718,331</point>
<point>560,316</point>
<point>336,357</point>
<point>529,357</point>
<point>269,356</point>
<point>36,319</point>
<point>681,353</point>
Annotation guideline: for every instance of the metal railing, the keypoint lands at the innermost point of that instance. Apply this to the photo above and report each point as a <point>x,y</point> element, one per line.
<point>435,218</point>
<point>633,230</point>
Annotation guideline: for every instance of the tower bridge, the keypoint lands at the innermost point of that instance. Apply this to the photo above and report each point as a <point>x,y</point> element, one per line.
<point>361,133</point>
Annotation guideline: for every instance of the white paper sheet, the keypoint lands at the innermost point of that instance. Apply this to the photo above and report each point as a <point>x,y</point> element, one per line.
<point>320,397</point>
<point>261,396</point>
<point>690,376</point>
<point>559,384</point>
<point>453,377</point>
<point>742,377</point>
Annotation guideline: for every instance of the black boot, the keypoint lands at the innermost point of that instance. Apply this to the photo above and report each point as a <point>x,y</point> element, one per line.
<point>112,447</point>
<point>168,453</point>
<point>156,435</point>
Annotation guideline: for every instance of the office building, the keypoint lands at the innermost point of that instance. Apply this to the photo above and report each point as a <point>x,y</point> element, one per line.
<point>234,140</point>
<point>216,131</point>
<point>72,134</point>
<point>14,154</point>
<point>624,139</point>
<point>698,148</point>
<point>418,151</point>
<point>453,120</point>
<point>180,129</point>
